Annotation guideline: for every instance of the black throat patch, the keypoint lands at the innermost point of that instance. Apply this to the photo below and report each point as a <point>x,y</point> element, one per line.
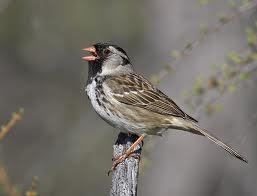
<point>94,67</point>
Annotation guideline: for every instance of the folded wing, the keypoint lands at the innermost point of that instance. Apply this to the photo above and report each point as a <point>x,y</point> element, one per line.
<point>133,89</point>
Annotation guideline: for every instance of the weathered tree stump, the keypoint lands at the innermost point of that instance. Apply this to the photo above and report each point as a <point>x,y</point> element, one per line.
<point>125,176</point>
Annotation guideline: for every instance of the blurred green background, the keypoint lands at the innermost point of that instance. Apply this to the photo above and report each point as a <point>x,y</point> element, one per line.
<point>63,142</point>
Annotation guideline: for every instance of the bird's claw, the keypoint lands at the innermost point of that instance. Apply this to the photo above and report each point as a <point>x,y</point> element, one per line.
<point>116,161</point>
<point>119,159</point>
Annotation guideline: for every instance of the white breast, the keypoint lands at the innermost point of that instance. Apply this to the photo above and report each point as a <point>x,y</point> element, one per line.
<point>90,89</point>
<point>103,113</point>
<point>116,121</point>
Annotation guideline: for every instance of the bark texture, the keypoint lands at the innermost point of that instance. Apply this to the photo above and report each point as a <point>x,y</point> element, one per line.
<point>125,177</point>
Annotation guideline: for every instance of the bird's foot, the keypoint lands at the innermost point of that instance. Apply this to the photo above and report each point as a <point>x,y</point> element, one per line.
<point>119,159</point>
<point>129,153</point>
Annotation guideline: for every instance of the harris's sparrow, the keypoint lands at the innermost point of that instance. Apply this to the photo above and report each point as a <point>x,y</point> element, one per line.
<point>130,103</point>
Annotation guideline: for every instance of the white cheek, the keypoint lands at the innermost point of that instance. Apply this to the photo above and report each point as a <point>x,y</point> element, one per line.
<point>111,69</point>
<point>111,64</point>
<point>107,68</point>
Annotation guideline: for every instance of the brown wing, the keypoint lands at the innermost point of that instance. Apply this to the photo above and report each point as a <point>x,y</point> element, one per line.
<point>133,89</point>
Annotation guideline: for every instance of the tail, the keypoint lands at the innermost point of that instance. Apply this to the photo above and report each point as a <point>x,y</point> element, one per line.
<point>195,127</point>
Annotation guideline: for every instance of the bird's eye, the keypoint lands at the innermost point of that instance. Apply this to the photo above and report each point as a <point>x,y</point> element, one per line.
<point>106,51</point>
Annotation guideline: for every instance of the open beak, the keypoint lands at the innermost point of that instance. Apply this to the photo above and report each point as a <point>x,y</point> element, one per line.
<point>91,57</point>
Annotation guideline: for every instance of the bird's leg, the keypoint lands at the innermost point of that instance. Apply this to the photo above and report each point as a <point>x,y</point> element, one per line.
<point>128,153</point>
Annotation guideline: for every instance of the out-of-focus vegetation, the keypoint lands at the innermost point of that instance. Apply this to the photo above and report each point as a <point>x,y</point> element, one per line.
<point>5,184</point>
<point>42,71</point>
<point>225,76</point>
<point>64,144</point>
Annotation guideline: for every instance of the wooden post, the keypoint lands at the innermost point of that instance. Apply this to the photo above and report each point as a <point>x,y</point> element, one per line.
<point>125,176</point>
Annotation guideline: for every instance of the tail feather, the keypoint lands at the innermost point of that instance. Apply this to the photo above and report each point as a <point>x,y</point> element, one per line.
<point>217,141</point>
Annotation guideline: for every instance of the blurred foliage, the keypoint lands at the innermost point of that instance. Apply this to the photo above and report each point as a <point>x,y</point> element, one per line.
<point>39,34</point>
<point>44,19</point>
<point>226,76</point>
<point>33,188</point>
<point>251,36</point>
<point>6,186</point>
<point>206,30</point>
<point>203,2</point>
<point>16,116</point>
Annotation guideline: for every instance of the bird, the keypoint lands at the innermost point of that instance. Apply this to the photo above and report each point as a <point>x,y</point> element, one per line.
<point>129,102</point>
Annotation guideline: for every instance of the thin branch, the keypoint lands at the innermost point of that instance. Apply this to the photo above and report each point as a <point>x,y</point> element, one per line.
<point>212,99</point>
<point>4,180</point>
<point>125,177</point>
<point>209,90</point>
<point>33,188</point>
<point>223,20</point>
<point>14,119</point>
<point>5,183</point>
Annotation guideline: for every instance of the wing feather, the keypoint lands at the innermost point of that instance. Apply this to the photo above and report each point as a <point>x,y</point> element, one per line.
<point>133,89</point>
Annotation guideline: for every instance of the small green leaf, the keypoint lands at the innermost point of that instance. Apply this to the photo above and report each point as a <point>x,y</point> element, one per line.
<point>232,88</point>
<point>175,54</point>
<point>155,79</point>
<point>232,56</point>
<point>253,56</point>
<point>223,19</point>
<point>203,2</point>
<point>168,68</point>
<point>203,29</point>
<point>246,3</point>
<point>232,4</point>
<point>197,87</point>
<point>189,46</point>
<point>243,76</point>
<point>251,36</point>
